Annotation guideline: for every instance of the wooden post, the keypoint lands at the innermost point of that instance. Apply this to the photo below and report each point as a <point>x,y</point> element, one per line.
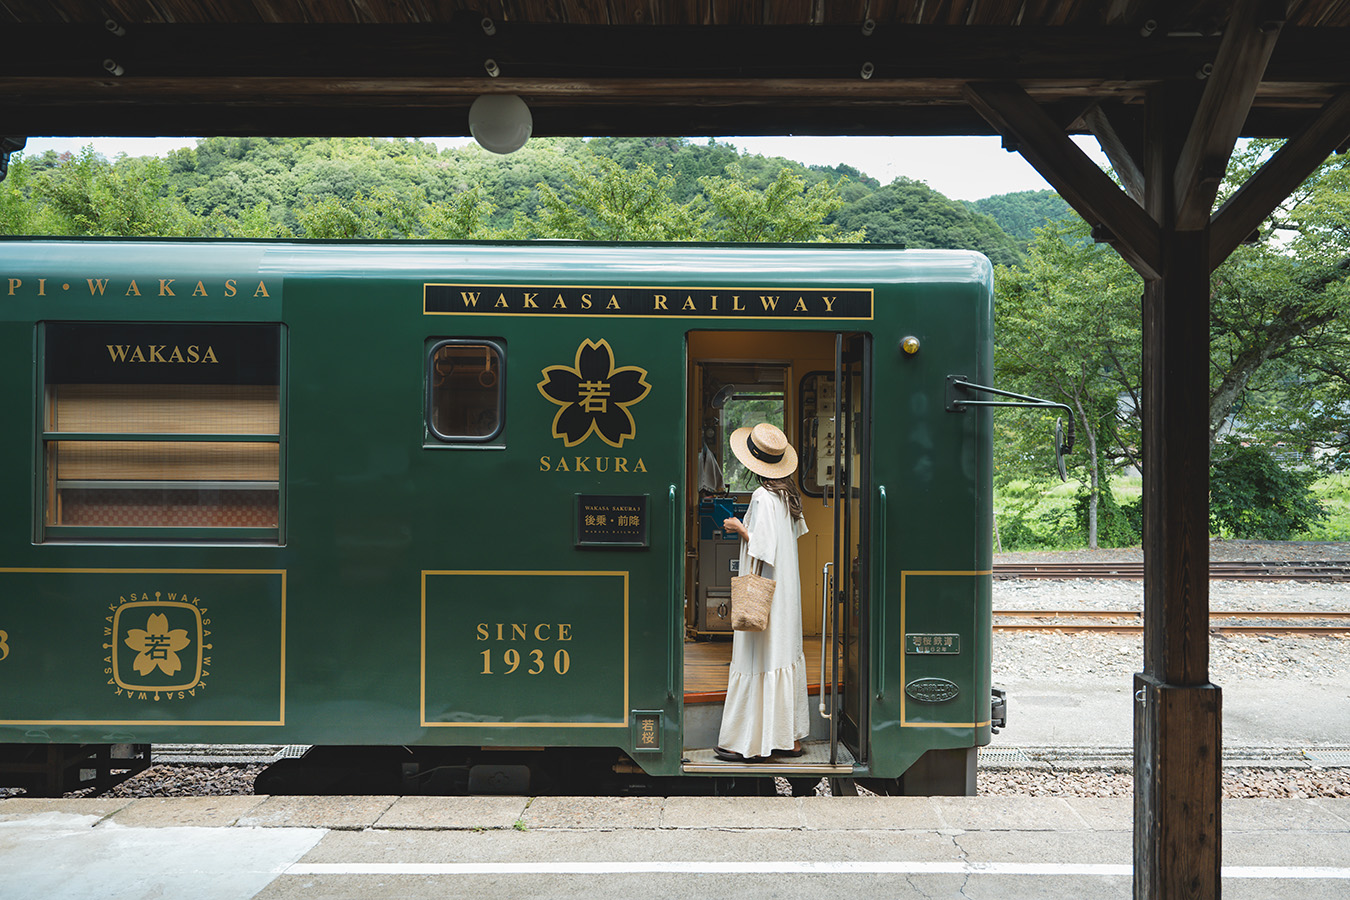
<point>1177,827</point>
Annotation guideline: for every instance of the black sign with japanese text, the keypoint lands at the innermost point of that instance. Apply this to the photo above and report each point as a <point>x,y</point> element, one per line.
<point>609,520</point>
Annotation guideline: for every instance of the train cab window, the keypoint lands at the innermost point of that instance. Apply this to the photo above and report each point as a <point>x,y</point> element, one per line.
<point>742,396</point>
<point>466,398</point>
<point>162,432</point>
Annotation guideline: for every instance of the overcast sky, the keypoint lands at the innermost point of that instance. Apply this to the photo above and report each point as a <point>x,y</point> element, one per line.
<point>963,168</point>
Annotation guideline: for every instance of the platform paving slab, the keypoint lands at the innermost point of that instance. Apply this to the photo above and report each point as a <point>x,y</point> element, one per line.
<point>1278,815</point>
<point>98,807</point>
<point>1337,806</point>
<point>65,856</point>
<point>733,812</point>
<point>1096,848</point>
<point>1104,813</point>
<point>1009,814</point>
<point>870,813</point>
<point>338,813</point>
<point>201,812</point>
<point>1290,849</point>
<point>453,813</point>
<point>594,813</point>
<point>640,846</point>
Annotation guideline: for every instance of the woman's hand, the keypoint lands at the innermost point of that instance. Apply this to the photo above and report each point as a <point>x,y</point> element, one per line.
<point>735,526</point>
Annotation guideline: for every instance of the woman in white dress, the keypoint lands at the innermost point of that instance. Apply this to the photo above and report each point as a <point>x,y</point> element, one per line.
<point>766,712</point>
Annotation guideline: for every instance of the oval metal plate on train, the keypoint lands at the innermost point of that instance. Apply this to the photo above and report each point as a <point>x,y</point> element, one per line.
<point>947,644</point>
<point>932,690</point>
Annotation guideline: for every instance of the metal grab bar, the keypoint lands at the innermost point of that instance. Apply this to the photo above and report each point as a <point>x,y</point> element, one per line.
<point>824,633</point>
<point>676,602</point>
<point>879,595</point>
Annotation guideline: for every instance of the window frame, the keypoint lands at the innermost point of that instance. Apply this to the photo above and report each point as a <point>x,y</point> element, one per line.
<point>432,438</point>
<point>158,535</point>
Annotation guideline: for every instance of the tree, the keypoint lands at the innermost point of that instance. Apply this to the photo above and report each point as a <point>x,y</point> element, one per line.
<point>382,216</point>
<point>610,203</point>
<point>1068,330</point>
<point>911,214</point>
<point>1281,320</point>
<point>1019,214</point>
<point>1252,496</point>
<point>87,195</point>
<point>785,210</point>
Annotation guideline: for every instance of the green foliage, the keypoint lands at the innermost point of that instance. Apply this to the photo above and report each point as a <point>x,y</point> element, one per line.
<point>1022,213</point>
<point>611,203</point>
<point>1252,496</point>
<point>1069,331</point>
<point>1280,319</point>
<point>785,210</point>
<point>1333,493</point>
<point>911,214</point>
<point>1029,517</point>
<point>641,189</point>
<point>1117,525</point>
<point>88,195</point>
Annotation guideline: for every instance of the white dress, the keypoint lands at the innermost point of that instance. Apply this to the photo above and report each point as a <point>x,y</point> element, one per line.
<point>766,706</point>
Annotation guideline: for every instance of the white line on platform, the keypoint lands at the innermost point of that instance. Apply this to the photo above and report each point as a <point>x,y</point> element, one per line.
<point>785,867</point>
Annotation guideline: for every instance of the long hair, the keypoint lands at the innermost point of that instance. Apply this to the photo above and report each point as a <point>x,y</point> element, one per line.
<point>787,489</point>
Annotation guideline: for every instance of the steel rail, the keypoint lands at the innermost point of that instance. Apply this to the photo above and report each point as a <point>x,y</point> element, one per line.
<point>1331,570</point>
<point>1134,613</point>
<point>1050,620</point>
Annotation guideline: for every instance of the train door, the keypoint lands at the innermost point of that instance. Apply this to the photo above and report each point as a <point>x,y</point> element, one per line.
<point>814,386</point>
<point>838,428</point>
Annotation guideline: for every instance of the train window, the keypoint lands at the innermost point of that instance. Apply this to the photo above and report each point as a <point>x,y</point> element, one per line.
<point>162,432</point>
<point>741,395</point>
<point>466,390</point>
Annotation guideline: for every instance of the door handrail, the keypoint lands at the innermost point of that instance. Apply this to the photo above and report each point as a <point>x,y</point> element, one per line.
<point>826,592</point>
<point>879,594</point>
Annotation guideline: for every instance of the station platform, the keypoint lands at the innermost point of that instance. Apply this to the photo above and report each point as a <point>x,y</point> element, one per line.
<point>240,847</point>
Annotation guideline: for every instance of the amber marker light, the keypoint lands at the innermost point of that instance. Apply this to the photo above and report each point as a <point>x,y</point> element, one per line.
<point>910,345</point>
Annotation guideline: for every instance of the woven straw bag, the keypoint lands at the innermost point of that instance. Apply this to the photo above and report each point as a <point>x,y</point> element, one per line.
<point>751,599</point>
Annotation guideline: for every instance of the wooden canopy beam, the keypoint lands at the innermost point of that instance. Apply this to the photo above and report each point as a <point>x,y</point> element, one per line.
<point>1085,187</point>
<point>1230,88</point>
<point>1243,213</point>
<point>1122,144</point>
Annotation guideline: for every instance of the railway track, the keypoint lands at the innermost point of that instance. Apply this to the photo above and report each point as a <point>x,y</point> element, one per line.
<point>1329,571</point>
<point>1130,621</point>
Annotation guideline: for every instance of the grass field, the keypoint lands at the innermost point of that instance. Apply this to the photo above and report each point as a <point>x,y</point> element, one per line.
<point>1033,516</point>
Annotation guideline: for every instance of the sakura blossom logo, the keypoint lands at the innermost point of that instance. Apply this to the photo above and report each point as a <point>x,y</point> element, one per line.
<point>594,396</point>
<point>158,647</point>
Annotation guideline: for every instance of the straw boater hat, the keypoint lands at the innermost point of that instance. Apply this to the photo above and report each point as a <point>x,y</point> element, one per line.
<point>764,450</point>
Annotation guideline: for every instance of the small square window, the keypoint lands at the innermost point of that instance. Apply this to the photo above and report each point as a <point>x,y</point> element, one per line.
<point>466,390</point>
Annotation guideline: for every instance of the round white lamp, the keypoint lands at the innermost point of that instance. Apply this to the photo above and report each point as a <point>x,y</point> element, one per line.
<point>500,122</point>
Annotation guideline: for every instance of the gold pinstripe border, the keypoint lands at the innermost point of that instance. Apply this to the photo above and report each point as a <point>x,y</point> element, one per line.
<point>281,708</point>
<point>422,705</point>
<point>904,630</point>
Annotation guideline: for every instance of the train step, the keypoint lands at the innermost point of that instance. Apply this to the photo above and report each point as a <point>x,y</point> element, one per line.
<point>815,761</point>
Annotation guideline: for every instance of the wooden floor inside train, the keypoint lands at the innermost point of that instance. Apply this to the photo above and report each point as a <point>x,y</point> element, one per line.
<point>706,664</point>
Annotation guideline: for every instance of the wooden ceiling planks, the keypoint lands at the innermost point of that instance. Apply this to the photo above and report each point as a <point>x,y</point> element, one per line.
<point>1002,13</point>
<point>1191,16</point>
<point>631,66</point>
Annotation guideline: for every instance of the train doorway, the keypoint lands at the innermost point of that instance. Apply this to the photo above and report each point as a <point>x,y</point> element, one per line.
<point>815,387</point>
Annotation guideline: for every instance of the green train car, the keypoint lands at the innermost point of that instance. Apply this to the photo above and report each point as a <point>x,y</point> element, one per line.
<point>456,507</point>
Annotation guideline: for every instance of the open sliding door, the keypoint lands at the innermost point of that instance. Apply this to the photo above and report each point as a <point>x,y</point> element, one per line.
<point>844,646</point>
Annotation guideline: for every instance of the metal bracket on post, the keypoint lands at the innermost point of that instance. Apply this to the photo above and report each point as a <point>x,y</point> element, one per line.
<point>9,145</point>
<point>960,391</point>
